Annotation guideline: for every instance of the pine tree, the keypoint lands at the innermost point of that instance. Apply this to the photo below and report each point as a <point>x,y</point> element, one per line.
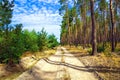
<point>94,42</point>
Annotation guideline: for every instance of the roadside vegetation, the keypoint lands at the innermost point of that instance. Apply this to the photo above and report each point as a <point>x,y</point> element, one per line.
<point>17,44</point>
<point>105,64</point>
<point>19,41</point>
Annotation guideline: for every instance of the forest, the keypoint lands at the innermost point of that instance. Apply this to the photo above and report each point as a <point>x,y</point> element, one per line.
<point>89,44</point>
<point>91,23</point>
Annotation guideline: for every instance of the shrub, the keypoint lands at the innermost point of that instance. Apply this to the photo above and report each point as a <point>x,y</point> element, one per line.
<point>12,45</point>
<point>89,50</point>
<point>100,48</point>
<point>30,40</point>
<point>42,40</point>
<point>52,41</point>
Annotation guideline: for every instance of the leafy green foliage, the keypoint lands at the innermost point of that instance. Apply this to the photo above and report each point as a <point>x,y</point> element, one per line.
<point>100,48</point>
<point>89,50</point>
<point>12,47</point>
<point>52,41</point>
<point>18,41</point>
<point>5,13</point>
<point>42,40</point>
<point>30,40</point>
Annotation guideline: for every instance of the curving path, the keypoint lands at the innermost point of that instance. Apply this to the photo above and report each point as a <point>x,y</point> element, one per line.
<point>61,66</point>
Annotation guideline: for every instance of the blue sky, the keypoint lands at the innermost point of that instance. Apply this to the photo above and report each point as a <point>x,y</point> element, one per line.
<point>38,14</point>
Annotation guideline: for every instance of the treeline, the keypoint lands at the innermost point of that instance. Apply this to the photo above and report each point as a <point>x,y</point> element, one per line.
<point>95,22</point>
<point>14,41</point>
<point>18,41</point>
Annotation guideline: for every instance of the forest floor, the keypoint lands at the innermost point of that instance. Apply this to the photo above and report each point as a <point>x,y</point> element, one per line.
<point>106,67</point>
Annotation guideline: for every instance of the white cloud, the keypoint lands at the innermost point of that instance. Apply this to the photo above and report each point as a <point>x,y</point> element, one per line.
<point>35,7</point>
<point>51,23</point>
<point>45,17</point>
<point>36,18</point>
<point>50,1</point>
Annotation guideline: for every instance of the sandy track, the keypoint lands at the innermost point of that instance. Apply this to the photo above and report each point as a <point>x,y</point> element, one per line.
<point>58,67</point>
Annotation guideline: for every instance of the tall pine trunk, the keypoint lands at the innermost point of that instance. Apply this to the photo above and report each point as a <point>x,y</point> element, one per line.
<point>112,27</point>
<point>94,42</point>
<point>84,25</point>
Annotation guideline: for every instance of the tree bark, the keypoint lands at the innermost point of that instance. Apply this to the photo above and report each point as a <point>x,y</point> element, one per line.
<point>84,25</point>
<point>94,42</point>
<point>112,27</point>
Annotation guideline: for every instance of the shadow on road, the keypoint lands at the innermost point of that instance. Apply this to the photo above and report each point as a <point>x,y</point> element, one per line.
<point>87,68</point>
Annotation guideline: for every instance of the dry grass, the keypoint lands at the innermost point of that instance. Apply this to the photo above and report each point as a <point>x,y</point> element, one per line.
<point>108,67</point>
<point>34,57</point>
<point>9,75</point>
<point>75,50</point>
<point>27,54</point>
<point>66,75</point>
<point>118,49</point>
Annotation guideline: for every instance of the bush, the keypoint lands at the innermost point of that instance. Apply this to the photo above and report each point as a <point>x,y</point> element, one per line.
<point>100,48</point>
<point>52,41</point>
<point>12,45</point>
<point>15,42</point>
<point>30,40</point>
<point>42,40</point>
<point>34,48</point>
<point>117,49</point>
<point>107,54</point>
<point>89,50</point>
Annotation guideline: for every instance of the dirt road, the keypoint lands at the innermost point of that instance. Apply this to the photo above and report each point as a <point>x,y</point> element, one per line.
<point>61,66</point>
